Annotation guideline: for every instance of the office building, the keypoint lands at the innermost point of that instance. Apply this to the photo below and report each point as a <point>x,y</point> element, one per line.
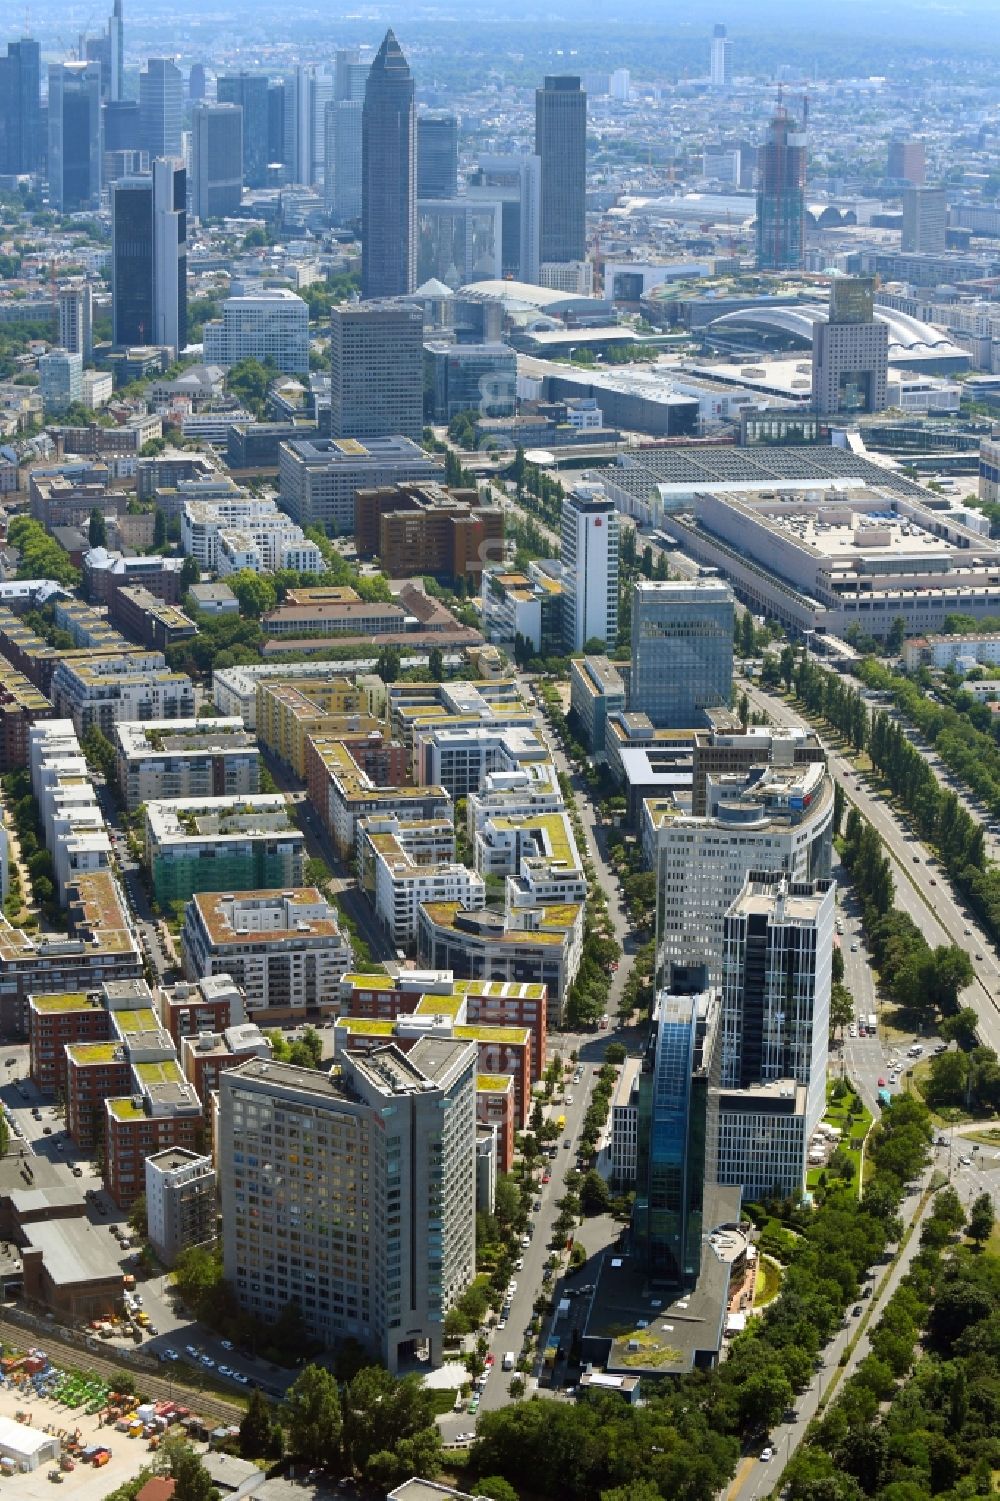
<point>376,370</point>
<point>672,1132</point>
<point>267,326</point>
<point>318,478</point>
<point>60,380</point>
<point>75,136</point>
<point>388,176</point>
<point>149,258</point>
<point>161,108</point>
<point>721,63</point>
<point>682,650</point>
<point>108,51</point>
<point>196,83</point>
<point>76,321</point>
<point>775,1030</point>
<point>907,162</point>
<point>850,352</point>
<point>350,75</point>
<point>458,241</point>
<point>216,160</point>
<point>427,529</point>
<point>20,108</point>
<point>249,91</point>
<point>624,1145</point>
<point>180,1202</point>
<point>470,378</point>
<point>925,221</point>
<point>589,557</point>
<point>437,156</point>
<point>781,189</point>
<point>515,182</point>
<point>385,1237</point>
<point>561,146</point>
<point>596,690</point>
<point>343,159</point>
<point>776,818</point>
<point>276,109</point>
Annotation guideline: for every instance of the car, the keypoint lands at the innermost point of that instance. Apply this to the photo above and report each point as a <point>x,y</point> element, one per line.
<point>519,1264</point>
<point>854,948</point>
<point>537,1205</point>
<point>10,1062</point>
<point>138,1300</point>
<point>881,1083</point>
<point>490,1359</point>
<point>511,1287</point>
<point>546,1177</point>
<point>916,859</point>
<point>965,1162</point>
<point>193,1351</point>
<point>567,1144</point>
<point>932,881</point>
<point>77,1170</point>
<point>208,1362</point>
<point>224,1370</point>
<point>968,932</point>
<point>569,1099</point>
<point>979,958</point>
<point>502,1324</point>
<point>226,1344</point>
<point>856,1310</point>
<point>241,1378</point>
<point>766,1454</point>
<point>46,1130</point>
<point>152,1329</point>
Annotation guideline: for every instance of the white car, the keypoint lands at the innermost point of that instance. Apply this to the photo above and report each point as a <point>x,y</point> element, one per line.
<point>511,1288</point>
<point>965,1162</point>
<point>767,1454</point>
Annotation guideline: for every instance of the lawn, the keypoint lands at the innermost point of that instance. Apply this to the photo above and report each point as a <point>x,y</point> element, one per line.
<point>442,1399</point>
<point>952,1115</point>
<point>768,1282</point>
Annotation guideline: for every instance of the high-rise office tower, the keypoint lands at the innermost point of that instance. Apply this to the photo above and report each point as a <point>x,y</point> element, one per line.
<point>107,50</point>
<point>149,258</point>
<point>75,136</point>
<point>850,353</point>
<point>350,75</point>
<point>781,195</point>
<point>270,326</point>
<point>342,165</point>
<point>76,321</point>
<point>60,377</point>
<point>721,65</point>
<point>388,176</point>
<point>437,156</point>
<point>307,95</point>
<point>561,146</point>
<point>376,371</point>
<point>196,82</point>
<point>372,1230</point>
<point>620,85</point>
<point>682,650</point>
<point>249,91</point>
<point>20,108</point>
<point>161,107</point>
<point>515,182</point>
<point>216,160</point>
<point>672,1131</point>
<point>590,564</point>
<point>907,162</point>
<point>276,123</point>
<point>925,221</point>
<point>775,1032</point>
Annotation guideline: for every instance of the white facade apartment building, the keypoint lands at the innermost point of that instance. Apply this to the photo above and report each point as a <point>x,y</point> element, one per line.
<point>186,758</point>
<point>589,557</point>
<point>136,685</point>
<point>460,756</point>
<point>202,521</point>
<point>270,325</point>
<point>266,548</point>
<point>624,1145</point>
<point>402,864</point>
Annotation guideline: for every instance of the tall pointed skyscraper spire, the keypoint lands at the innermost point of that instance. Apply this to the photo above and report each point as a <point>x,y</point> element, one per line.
<point>388,176</point>
<point>116,34</point>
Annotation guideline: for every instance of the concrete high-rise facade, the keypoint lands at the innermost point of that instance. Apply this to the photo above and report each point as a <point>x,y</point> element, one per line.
<point>249,91</point>
<point>75,136</point>
<point>271,325</point>
<point>20,107</point>
<point>149,258</point>
<point>515,182</point>
<point>850,353</point>
<point>376,371</point>
<point>350,75</point>
<point>388,176</point>
<point>781,195</point>
<point>561,146</point>
<point>60,380</point>
<point>342,165</point>
<point>907,162</point>
<point>372,1229</point>
<point>437,156</point>
<point>925,221</point>
<point>590,562</point>
<point>721,63</point>
<point>161,107</point>
<point>76,320</point>
<point>682,650</point>
<point>216,160</point>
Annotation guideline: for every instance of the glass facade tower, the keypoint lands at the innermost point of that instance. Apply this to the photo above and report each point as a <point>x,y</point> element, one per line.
<point>682,650</point>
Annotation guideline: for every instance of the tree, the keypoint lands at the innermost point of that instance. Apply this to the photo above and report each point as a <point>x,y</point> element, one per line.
<point>137,1216</point>
<point>391,1418</point>
<point>159,528</point>
<point>896,636</point>
<point>192,1481</point>
<point>435,664</point>
<point>496,1488</point>
<point>256,1436</point>
<point>190,574</point>
<point>595,1197</point>
<point>841,1007</point>
<point>980,1226</point>
<point>255,592</point>
<point>615,1052</point>
<point>313,1417</point>
<point>763,1397</point>
<point>97,531</point>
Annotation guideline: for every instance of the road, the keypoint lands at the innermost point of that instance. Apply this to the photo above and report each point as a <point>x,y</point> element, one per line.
<point>922,887</point>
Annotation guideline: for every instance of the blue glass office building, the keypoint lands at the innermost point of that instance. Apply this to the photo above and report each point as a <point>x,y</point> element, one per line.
<point>682,650</point>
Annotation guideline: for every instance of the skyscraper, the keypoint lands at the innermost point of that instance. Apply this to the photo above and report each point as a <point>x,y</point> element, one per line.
<point>515,182</point>
<point>350,75</point>
<point>107,50</point>
<point>276,123</point>
<point>376,371</point>
<point>437,156</point>
<point>590,564</point>
<point>216,160</point>
<point>781,188</point>
<point>925,221</point>
<point>672,1120</point>
<point>161,107</point>
<point>149,258</point>
<point>60,380</point>
<point>850,352</point>
<point>388,176</point>
<point>20,108</point>
<point>720,71</point>
<point>561,145</point>
<point>682,650</point>
<point>75,136</point>
<point>249,91</point>
<point>196,82</point>
<point>907,162</point>
<point>382,1203</point>
<point>76,321</point>
<point>342,163</point>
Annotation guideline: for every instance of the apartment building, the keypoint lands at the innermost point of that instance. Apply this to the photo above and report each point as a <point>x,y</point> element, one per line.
<point>191,758</point>
<point>209,1004</point>
<point>495,1113</point>
<point>404,863</point>
<point>180,1202</point>
<point>222,844</point>
<point>21,706</point>
<point>103,690</point>
<point>151,621</point>
<point>205,1057</point>
<point>384,1217</point>
<point>54,1021</point>
<point>232,531</point>
<point>342,791</point>
<point>288,712</point>
<point>163,1113</point>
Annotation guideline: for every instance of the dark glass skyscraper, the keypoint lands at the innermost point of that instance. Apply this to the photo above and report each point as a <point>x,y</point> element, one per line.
<point>781,195</point>
<point>250,91</point>
<point>149,258</point>
<point>275,122</point>
<point>216,159</point>
<point>388,177</point>
<point>108,51</point>
<point>437,156</point>
<point>561,143</point>
<point>75,136</point>
<point>20,114</point>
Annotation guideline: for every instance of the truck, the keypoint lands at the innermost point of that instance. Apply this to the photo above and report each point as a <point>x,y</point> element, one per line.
<point>871,1022</point>
<point>508,1360</point>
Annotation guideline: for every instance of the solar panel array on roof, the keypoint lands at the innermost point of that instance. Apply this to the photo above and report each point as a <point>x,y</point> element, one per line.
<point>696,467</point>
